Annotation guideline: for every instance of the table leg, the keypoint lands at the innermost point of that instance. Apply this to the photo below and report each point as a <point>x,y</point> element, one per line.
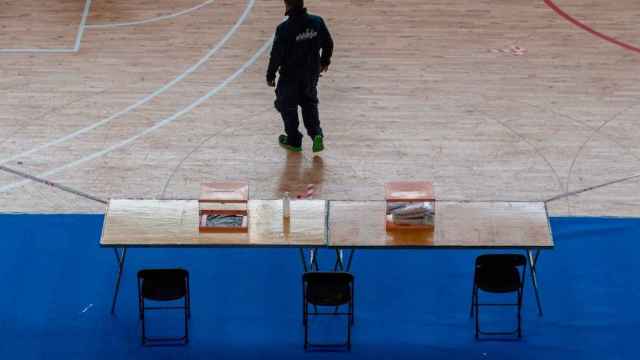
<point>120,258</point>
<point>339,261</point>
<point>348,268</point>
<point>313,259</point>
<point>303,257</point>
<point>533,262</point>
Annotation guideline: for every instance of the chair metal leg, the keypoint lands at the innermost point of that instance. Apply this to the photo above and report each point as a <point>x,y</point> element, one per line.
<point>477,312</point>
<point>348,334</point>
<point>353,302</point>
<point>140,300</point>
<point>120,259</point>
<point>163,341</point>
<point>476,305</point>
<point>305,322</point>
<point>473,291</point>
<point>186,320</point>
<point>144,334</point>
<point>305,312</point>
<point>351,321</point>
<point>187,299</point>
<point>519,315</point>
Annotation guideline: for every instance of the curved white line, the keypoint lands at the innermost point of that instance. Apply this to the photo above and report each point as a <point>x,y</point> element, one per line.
<point>159,18</point>
<point>158,125</point>
<point>147,98</point>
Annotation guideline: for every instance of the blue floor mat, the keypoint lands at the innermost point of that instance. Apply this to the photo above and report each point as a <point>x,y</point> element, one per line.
<point>57,287</point>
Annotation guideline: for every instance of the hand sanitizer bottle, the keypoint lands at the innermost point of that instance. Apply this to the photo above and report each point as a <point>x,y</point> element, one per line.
<point>285,205</point>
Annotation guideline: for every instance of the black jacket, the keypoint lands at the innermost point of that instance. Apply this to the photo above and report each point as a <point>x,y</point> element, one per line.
<point>297,45</point>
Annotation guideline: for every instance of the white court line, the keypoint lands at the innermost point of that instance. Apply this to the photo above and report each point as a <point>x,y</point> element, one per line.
<point>37,50</point>
<point>159,18</point>
<point>146,99</point>
<point>158,125</point>
<point>79,34</point>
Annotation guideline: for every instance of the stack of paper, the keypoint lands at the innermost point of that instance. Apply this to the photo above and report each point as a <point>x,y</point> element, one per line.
<point>223,221</point>
<point>411,213</point>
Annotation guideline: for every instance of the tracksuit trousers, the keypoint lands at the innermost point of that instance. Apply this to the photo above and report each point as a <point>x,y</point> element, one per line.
<point>294,92</point>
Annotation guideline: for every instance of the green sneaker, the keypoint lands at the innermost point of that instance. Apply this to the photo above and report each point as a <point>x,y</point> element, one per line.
<point>282,139</point>
<point>318,144</point>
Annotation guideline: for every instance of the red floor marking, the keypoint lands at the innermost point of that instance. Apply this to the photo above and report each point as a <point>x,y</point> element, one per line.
<point>587,28</point>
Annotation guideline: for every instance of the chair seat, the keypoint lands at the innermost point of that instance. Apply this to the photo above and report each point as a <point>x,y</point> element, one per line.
<point>163,285</point>
<point>498,279</point>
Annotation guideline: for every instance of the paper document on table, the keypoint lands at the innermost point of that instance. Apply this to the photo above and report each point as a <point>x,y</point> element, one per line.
<point>224,221</point>
<point>410,210</point>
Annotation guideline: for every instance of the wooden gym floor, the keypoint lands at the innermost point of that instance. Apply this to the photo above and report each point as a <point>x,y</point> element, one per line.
<point>492,100</point>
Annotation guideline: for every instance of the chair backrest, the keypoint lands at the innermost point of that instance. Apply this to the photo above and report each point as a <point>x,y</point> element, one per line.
<point>501,260</point>
<point>163,284</point>
<point>328,288</point>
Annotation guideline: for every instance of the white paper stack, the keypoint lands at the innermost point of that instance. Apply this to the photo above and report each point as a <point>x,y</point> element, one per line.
<point>411,213</point>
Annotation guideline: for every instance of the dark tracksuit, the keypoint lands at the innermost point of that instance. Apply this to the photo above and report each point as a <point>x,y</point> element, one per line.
<point>296,54</point>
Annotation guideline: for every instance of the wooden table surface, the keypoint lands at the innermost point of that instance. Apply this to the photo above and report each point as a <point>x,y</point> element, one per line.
<point>351,224</point>
<point>175,223</point>
<point>457,225</point>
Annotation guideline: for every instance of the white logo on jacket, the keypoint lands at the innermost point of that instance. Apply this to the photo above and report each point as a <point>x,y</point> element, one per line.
<point>306,35</point>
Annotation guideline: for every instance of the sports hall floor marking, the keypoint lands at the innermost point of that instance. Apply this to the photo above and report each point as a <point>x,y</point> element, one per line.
<point>588,28</point>
<point>594,132</point>
<point>523,138</point>
<point>52,184</point>
<point>78,40</point>
<point>204,141</point>
<point>146,21</point>
<point>83,23</point>
<point>215,90</point>
<point>158,125</point>
<point>146,99</point>
<point>594,187</point>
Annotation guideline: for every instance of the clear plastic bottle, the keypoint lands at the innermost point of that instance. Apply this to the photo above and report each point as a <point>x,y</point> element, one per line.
<point>285,205</point>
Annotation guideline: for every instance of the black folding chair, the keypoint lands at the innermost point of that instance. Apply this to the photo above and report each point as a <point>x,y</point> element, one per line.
<point>327,289</point>
<point>164,285</point>
<point>499,273</point>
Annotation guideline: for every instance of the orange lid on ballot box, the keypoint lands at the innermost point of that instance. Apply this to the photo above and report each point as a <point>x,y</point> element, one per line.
<point>224,192</point>
<point>409,191</point>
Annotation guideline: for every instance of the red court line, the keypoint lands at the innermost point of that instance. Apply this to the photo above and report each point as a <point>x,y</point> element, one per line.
<point>589,29</point>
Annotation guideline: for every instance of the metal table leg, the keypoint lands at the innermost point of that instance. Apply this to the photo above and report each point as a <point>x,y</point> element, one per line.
<point>348,268</point>
<point>339,261</point>
<point>120,258</point>
<point>313,259</point>
<point>533,262</point>
<point>303,257</point>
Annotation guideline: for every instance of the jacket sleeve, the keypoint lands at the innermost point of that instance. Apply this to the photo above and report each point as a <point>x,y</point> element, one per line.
<point>277,55</point>
<point>327,45</point>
